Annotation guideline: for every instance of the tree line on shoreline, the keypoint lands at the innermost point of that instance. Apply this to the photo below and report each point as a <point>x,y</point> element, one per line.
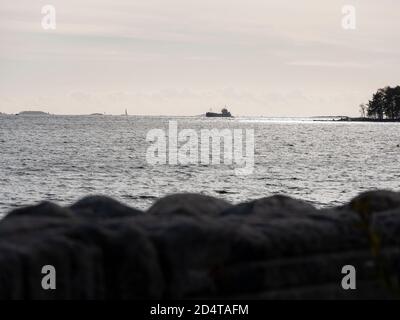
<point>385,104</point>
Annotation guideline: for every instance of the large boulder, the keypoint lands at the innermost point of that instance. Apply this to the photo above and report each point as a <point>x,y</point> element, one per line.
<point>44,209</point>
<point>376,201</point>
<point>102,207</point>
<point>188,204</point>
<point>93,261</point>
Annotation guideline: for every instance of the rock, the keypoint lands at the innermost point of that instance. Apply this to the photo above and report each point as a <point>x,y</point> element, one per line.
<point>375,201</point>
<point>101,207</point>
<point>188,204</point>
<point>76,266</point>
<point>189,248</point>
<point>92,261</point>
<point>12,282</point>
<point>44,209</point>
<point>275,206</point>
<point>129,265</point>
<point>29,221</point>
<point>196,246</point>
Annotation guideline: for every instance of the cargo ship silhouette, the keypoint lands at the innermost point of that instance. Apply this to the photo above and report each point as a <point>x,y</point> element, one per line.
<point>224,114</point>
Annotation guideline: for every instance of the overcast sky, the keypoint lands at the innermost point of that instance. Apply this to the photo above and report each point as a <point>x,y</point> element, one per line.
<point>183,57</point>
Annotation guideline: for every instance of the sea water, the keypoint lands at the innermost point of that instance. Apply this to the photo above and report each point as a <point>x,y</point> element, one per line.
<point>63,158</point>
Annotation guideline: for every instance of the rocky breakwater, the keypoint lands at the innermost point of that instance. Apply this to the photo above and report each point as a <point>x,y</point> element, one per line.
<point>195,246</point>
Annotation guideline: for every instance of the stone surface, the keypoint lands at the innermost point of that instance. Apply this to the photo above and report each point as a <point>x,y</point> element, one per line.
<point>102,207</point>
<point>188,204</point>
<point>196,246</point>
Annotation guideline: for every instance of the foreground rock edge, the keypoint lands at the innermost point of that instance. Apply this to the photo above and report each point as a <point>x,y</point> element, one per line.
<point>191,246</point>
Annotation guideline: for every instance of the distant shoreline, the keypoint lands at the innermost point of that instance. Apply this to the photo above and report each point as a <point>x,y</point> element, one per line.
<point>360,119</point>
<point>312,118</point>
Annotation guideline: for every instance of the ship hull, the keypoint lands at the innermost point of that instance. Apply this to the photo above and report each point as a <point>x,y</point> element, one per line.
<point>218,115</point>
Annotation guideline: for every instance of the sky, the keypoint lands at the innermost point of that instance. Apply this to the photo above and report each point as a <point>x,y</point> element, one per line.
<point>185,57</point>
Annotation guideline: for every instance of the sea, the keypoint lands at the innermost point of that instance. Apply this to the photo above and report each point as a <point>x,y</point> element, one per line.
<point>64,158</point>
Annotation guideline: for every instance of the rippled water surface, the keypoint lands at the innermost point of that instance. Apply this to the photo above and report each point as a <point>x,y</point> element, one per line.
<point>62,158</point>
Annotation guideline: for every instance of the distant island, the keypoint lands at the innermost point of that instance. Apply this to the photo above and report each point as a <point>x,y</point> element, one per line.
<point>383,107</point>
<point>365,119</point>
<point>33,113</point>
<point>224,114</point>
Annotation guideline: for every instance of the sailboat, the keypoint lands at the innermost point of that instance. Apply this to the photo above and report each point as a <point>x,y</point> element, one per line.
<point>126,112</point>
